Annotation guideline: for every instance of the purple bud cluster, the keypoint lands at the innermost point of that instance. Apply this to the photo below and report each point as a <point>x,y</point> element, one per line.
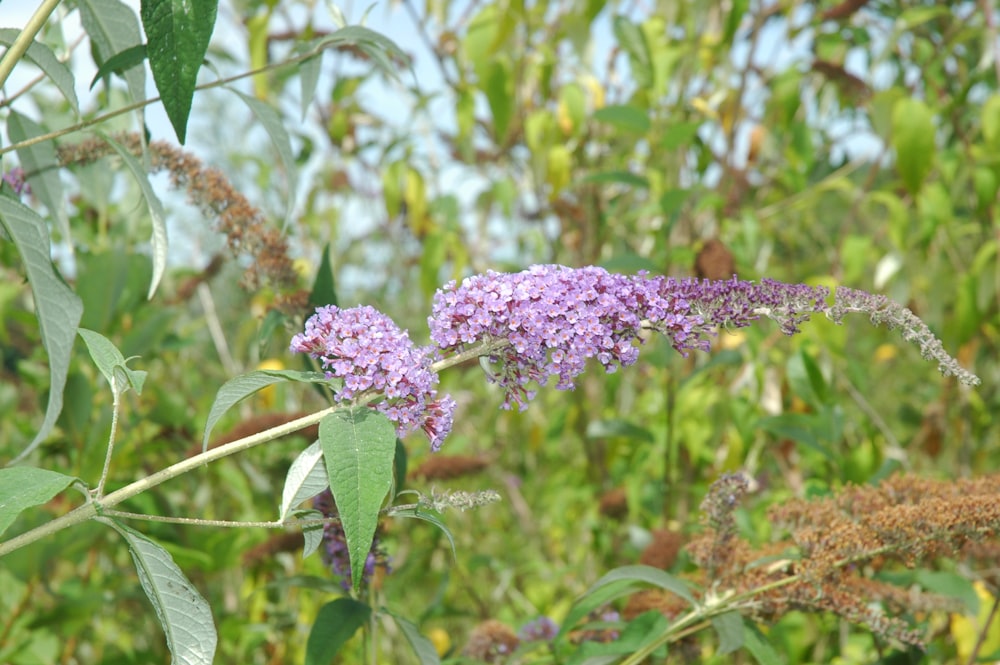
<point>369,352</point>
<point>335,553</point>
<point>15,178</point>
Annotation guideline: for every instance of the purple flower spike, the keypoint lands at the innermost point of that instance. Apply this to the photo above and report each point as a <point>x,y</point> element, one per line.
<point>548,320</point>
<point>15,178</point>
<point>368,351</point>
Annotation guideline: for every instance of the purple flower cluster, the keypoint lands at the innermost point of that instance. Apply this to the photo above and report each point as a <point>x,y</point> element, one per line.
<point>369,352</point>
<point>335,553</point>
<point>542,629</point>
<point>548,320</point>
<point>15,178</point>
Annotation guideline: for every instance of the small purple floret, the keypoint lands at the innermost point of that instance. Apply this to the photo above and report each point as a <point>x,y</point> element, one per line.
<point>369,351</point>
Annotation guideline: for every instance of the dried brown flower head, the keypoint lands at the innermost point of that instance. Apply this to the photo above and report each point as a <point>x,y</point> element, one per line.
<point>491,642</point>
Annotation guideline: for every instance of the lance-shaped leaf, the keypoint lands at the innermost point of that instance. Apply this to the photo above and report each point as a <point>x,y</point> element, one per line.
<point>112,363</point>
<point>240,387</point>
<point>358,447</point>
<point>113,27</point>
<point>177,33</point>
<point>156,213</point>
<point>23,487</point>
<point>58,309</point>
<point>43,58</point>
<point>335,623</point>
<point>41,168</point>
<point>183,612</point>
<point>306,478</point>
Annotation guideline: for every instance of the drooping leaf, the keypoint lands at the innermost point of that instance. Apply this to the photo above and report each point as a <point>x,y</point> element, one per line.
<point>376,46</point>
<point>240,387</point>
<point>58,309</point>
<point>113,28</point>
<point>111,362</point>
<point>41,168</point>
<point>22,487</point>
<point>913,138</point>
<point>312,534</point>
<point>991,121</point>
<point>336,622</point>
<point>499,90</point>
<point>305,479</point>
<point>729,628</point>
<point>157,215</point>
<point>617,177</point>
<point>422,647</point>
<point>358,447</point>
<point>183,612</point>
<point>308,78</point>
<point>43,58</point>
<point>178,33</point>
<point>275,129</point>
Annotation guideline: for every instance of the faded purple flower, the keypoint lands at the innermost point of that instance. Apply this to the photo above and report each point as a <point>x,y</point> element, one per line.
<point>369,352</point>
<point>542,629</point>
<point>15,178</point>
<point>335,553</point>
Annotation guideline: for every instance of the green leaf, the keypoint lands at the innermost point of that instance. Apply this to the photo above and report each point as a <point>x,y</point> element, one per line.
<point>632,40</point>
<point>113,27</point>
<point>648,575</point>
<point>156,213</point>
<point>43,58</point>
<point>178,32</point>
<point>240,387</point>
<point>430,518</point>
<point>58,309</point>
<point>619,582</point>
<point>358,447</point>
<point>952,585</point>
<point>336,622</point>
<point>22,487</point>
<point>913,139</point>
<point>804,428</point>
<point>672,200</point>
<point>729,628</point>
<point>376,46</point>
<point>41,167</point>
<point>324,290</point>
<point>759,646</point>
<point>617,177</point>
<point>309,70</point>
<point>312,534</point>
<point>422,647</point>
<point>991,122</point>
<point>119,62</point>
<point>275,129</point>
<point>111,362</point>
<point>184,614</point>
<point>305,479</point>
<point>624,117</point>
<point>499,90</point>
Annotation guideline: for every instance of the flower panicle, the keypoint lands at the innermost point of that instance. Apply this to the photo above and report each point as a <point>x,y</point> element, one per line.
<point>369,352</point>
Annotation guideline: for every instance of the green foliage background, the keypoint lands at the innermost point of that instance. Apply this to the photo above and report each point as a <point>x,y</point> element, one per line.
<point>851,144</point>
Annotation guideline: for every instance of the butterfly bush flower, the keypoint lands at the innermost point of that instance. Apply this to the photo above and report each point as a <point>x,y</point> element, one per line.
<point>370,353</point>
<point>548,320</point>
<point>15,178</point>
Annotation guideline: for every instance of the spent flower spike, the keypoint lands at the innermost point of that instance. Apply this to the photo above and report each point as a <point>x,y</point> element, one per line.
<point>369,352</point>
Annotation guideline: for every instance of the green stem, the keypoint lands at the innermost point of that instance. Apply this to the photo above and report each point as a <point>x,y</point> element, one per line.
<point>25,38</point>
<point>91,509</point>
